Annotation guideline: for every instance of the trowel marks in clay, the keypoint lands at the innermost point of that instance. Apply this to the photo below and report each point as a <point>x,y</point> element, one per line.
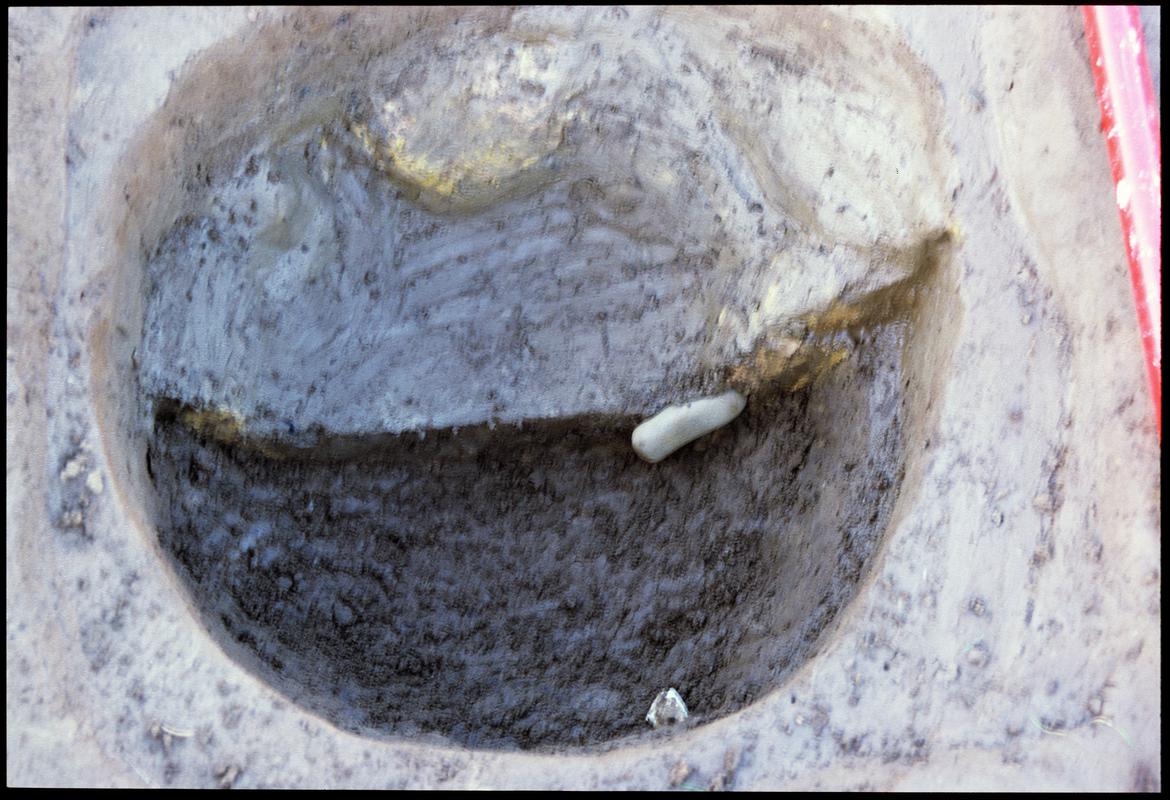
<point>536,214</point>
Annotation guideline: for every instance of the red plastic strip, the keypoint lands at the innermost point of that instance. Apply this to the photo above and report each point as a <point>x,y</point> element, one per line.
<point>1129,120</point>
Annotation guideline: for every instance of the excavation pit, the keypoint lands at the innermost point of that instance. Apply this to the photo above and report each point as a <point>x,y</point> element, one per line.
<point>1006,620</point>
<point>384,389</point>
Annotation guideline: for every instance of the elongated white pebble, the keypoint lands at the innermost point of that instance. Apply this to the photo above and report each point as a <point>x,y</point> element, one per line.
<point>674,426</point>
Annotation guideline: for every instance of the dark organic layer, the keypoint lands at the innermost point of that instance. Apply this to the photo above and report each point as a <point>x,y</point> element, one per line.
<point>539,586</point>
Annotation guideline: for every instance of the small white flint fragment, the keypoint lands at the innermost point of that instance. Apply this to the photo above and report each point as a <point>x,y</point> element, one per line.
<point>674,426</point>
<point>668,707</point>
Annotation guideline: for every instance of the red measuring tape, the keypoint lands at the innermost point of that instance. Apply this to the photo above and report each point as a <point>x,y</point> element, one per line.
<point>1130,122</point>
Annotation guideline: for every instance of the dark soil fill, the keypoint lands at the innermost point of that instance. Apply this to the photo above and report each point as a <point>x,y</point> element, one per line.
<point>536,587</point>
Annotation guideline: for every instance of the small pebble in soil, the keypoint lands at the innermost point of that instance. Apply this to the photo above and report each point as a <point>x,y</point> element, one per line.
<point>668,708</point>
